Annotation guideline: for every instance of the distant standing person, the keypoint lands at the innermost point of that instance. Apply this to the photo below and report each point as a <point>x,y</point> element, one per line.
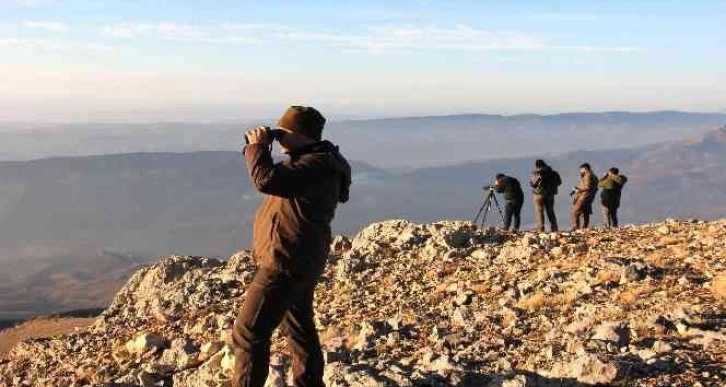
<point>611,187</point>
<point>584,195</point>
<point>291,244</point>
<point>513,197</point>
<point>544,182</point>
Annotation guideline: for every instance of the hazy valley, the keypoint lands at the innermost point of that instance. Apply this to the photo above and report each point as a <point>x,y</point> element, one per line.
<point>74,228</point>
<point>392,143</point>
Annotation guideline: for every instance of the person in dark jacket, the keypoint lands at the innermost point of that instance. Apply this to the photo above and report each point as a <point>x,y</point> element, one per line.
<point>291,243</point>
<point>583,196</point>
<point>544,182</point>
<point>513,198</point>
<point>611,188</point>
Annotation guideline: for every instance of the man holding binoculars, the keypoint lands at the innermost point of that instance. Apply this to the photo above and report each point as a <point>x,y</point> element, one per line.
<point>291,244</point>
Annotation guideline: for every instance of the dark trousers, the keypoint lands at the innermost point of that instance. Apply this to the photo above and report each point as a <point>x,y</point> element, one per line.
<point>513,211</point>
<point>544,204</point>
<point>581,209</point>
<point>610,215</point>
<point>273,299</point>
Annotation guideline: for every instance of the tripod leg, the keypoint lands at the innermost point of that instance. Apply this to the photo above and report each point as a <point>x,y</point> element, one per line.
<point>484,203</point>
<point>486,211</point>
<point>487,207</point>
<point>499,208</point>
<point>478,213</point>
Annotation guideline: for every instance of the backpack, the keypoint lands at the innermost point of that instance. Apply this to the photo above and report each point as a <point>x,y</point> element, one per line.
<point>556,181</point>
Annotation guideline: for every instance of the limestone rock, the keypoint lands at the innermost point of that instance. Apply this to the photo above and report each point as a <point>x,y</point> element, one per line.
<point>589,369</point>
<point>435,304</point>
<point>340,375</point>
<point>511,380</point>
<point>340,245</point>
<point>614,332</point>
<point>145,342</point>
<point>660,346</point>
<point>181,355</point>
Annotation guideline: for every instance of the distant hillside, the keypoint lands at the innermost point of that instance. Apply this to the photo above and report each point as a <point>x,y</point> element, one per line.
<point>432,141</point>
<point>404,143</point>
<point>82,224</point>
<point>134,203</point>
<point>679,179</point>
<point>82,279</point>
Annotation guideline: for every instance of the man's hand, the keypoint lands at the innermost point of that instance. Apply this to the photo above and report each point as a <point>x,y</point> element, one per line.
<point>259,135</point>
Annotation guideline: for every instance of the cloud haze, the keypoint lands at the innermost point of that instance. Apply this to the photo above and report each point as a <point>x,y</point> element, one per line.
<point>358,58</point>
<point>58,27</point>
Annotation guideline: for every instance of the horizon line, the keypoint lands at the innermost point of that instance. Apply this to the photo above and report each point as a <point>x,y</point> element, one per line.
<point>353,118</point>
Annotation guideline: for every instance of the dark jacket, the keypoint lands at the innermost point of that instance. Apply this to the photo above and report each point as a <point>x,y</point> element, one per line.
<point>511,189</point>
<point>292,226</point>
<point>544,181</point>
<point>611,188</point>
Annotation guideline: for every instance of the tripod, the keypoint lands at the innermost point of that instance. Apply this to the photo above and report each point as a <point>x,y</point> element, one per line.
<point>486,206</point>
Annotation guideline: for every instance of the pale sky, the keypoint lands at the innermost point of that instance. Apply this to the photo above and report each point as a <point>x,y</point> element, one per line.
<point>98,60</point>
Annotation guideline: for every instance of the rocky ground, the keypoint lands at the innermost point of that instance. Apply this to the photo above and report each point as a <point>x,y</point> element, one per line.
<point>435,304</point>
<point>39,327</point>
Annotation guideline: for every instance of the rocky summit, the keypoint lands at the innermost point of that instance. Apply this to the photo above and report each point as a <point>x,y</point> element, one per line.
<point>436,304</point>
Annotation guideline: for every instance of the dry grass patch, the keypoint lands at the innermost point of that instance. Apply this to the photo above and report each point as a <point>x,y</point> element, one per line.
<point>569,298</point>
<point>436,297</point>
<point>509,319</point>
<point>630,296</point>
<point>606,276</point>
<point>718,286</point>
<point>563,264</point>
<point>330,334</point>
<point>40,327</point>
<point>539,300</point>
<point>441,288</point>
<point>480,288</point>
<point>334,336</point>
<point>536,301</point>
<point>657,258</point>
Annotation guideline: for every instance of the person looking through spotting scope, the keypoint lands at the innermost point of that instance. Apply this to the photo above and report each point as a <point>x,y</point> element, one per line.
<point>611,188</point>
<point>513,197</point>
<point>544,182</point>
<point>291,244</point>
<point>583,196</point>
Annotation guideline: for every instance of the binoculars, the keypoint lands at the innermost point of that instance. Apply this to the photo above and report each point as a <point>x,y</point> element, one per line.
<point>276,134</point>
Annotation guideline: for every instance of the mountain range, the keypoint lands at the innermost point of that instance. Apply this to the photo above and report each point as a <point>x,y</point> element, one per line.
<point>391,143</point>
<point>83,224</point>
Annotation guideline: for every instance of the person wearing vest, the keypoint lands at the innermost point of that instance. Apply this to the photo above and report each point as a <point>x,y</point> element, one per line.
<point>584,195</point>
<point>611,188</point>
